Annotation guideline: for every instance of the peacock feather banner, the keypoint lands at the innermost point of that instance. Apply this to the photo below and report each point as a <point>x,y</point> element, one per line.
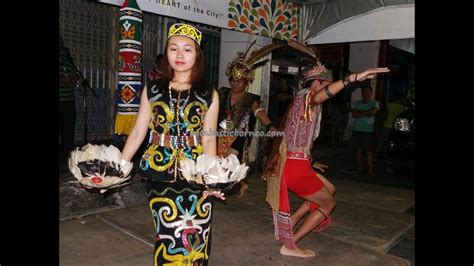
<point>271,18</point>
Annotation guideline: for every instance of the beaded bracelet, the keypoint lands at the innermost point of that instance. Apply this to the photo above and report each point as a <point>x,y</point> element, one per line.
<point>345,80</point>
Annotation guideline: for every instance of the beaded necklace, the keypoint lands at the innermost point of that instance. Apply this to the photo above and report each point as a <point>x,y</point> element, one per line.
<point>179,146</point>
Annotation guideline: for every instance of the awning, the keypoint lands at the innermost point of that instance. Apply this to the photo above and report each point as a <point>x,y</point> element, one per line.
<point>339,21</point>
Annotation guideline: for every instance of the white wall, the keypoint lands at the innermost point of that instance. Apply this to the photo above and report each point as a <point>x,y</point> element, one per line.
<point>362,55</point>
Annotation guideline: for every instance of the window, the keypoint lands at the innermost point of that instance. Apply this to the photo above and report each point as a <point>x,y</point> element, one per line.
<point>211,47</point>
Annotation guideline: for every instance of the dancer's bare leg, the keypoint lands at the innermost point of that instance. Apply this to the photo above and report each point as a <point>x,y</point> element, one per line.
<point>243,184</point>
<point>243,187</point>
<point>327,184</point>
<point>305,206</point>
<point>299,213</point>
<point>297,252</point>
<point>326,203</point>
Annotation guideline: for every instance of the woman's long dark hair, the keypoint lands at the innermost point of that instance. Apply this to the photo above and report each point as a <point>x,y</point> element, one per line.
<point>198,73</point>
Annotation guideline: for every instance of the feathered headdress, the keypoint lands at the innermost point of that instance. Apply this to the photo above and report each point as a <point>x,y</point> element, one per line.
<point>309,55</point>
<point>311,67</point>
<point>243,66</point>
<point>318,71</point>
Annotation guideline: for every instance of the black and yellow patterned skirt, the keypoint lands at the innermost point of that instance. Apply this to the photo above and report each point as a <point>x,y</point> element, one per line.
<point>182,220</point>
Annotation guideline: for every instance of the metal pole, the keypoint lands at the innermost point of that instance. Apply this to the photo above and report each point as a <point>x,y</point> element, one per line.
<point>84,105</point>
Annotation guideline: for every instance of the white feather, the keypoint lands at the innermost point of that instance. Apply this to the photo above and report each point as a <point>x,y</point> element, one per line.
<point>109,155</point>
<point>213,169</point>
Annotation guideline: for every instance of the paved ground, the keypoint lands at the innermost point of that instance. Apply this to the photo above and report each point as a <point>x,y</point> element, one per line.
<point>368,221</point>
<point>373,222</point>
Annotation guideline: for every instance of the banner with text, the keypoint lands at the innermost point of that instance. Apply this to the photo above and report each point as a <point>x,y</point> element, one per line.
<point>209,12</point>
<point>269,18</point>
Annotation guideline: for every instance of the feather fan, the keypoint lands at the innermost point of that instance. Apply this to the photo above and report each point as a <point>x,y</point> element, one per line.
<point>99,167</point>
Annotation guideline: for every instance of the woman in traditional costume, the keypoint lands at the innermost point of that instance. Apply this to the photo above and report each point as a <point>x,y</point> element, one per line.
<point>179,112</point>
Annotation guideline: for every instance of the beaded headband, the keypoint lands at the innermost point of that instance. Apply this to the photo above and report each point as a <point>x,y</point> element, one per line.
<point>319,71</point>
<point>186,30</point>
